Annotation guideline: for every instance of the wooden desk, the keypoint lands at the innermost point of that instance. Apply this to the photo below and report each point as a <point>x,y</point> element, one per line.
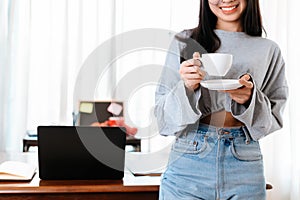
<point>81,189</point>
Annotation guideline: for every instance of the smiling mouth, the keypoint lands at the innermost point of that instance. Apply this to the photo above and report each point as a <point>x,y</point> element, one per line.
<point>228,8</point>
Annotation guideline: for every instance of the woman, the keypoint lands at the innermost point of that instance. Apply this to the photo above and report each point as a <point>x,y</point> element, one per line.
<point>216,154</point>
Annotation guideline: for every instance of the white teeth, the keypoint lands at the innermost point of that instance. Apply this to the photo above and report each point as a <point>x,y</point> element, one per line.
<point>228,9</point>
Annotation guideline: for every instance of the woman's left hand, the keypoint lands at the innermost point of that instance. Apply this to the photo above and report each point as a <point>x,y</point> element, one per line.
<point>244,93</point>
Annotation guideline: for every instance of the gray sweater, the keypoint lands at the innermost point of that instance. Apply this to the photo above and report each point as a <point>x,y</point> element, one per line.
<point>179,111</point>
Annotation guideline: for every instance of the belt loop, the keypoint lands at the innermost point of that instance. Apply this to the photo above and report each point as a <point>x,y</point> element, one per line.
<point>248,139</point>
<point>220,131</point>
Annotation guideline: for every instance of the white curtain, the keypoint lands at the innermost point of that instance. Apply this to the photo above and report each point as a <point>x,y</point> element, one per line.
<point>14,72</point>
<point>281,151</point>
<point>293,42</point>
<point>44,44</point>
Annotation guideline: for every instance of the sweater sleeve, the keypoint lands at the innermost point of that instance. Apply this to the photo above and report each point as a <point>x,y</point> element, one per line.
<point>264,114</point>
<point>175,106</point>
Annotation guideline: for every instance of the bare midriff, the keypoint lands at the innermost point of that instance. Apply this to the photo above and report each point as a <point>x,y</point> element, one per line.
<point>221,119</point>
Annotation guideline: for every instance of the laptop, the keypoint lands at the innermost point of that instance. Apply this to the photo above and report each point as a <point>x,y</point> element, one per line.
<point>81,152</point>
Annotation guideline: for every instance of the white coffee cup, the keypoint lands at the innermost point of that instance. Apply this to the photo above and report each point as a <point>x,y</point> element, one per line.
<point>216,64</point>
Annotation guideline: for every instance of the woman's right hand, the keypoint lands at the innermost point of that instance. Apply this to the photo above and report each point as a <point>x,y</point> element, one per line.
<point>190,72</point>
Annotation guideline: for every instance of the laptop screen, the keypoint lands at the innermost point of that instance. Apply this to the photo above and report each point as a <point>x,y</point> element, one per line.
<point>81,152</point>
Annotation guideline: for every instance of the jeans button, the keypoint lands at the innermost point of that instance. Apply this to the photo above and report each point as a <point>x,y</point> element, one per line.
<point>195,143</point>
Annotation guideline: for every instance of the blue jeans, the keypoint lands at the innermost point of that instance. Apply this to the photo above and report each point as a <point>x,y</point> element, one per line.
<point>214,163</point>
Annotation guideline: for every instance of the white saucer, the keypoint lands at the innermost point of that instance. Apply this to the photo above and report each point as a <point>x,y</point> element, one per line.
<point>221,84</point>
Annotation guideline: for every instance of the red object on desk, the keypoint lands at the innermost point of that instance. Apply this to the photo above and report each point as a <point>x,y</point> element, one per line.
<point>117,121</point>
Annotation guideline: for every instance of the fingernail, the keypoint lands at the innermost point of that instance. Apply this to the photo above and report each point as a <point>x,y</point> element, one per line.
<point>196,55</point>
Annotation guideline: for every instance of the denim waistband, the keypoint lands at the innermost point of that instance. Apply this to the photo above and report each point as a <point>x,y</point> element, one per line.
<point>240,131</point>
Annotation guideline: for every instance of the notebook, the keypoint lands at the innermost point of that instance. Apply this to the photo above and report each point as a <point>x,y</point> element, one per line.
<point>81,152</point>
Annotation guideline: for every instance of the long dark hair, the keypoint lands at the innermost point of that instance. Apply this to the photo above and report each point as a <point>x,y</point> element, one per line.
<point>205,35</point>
